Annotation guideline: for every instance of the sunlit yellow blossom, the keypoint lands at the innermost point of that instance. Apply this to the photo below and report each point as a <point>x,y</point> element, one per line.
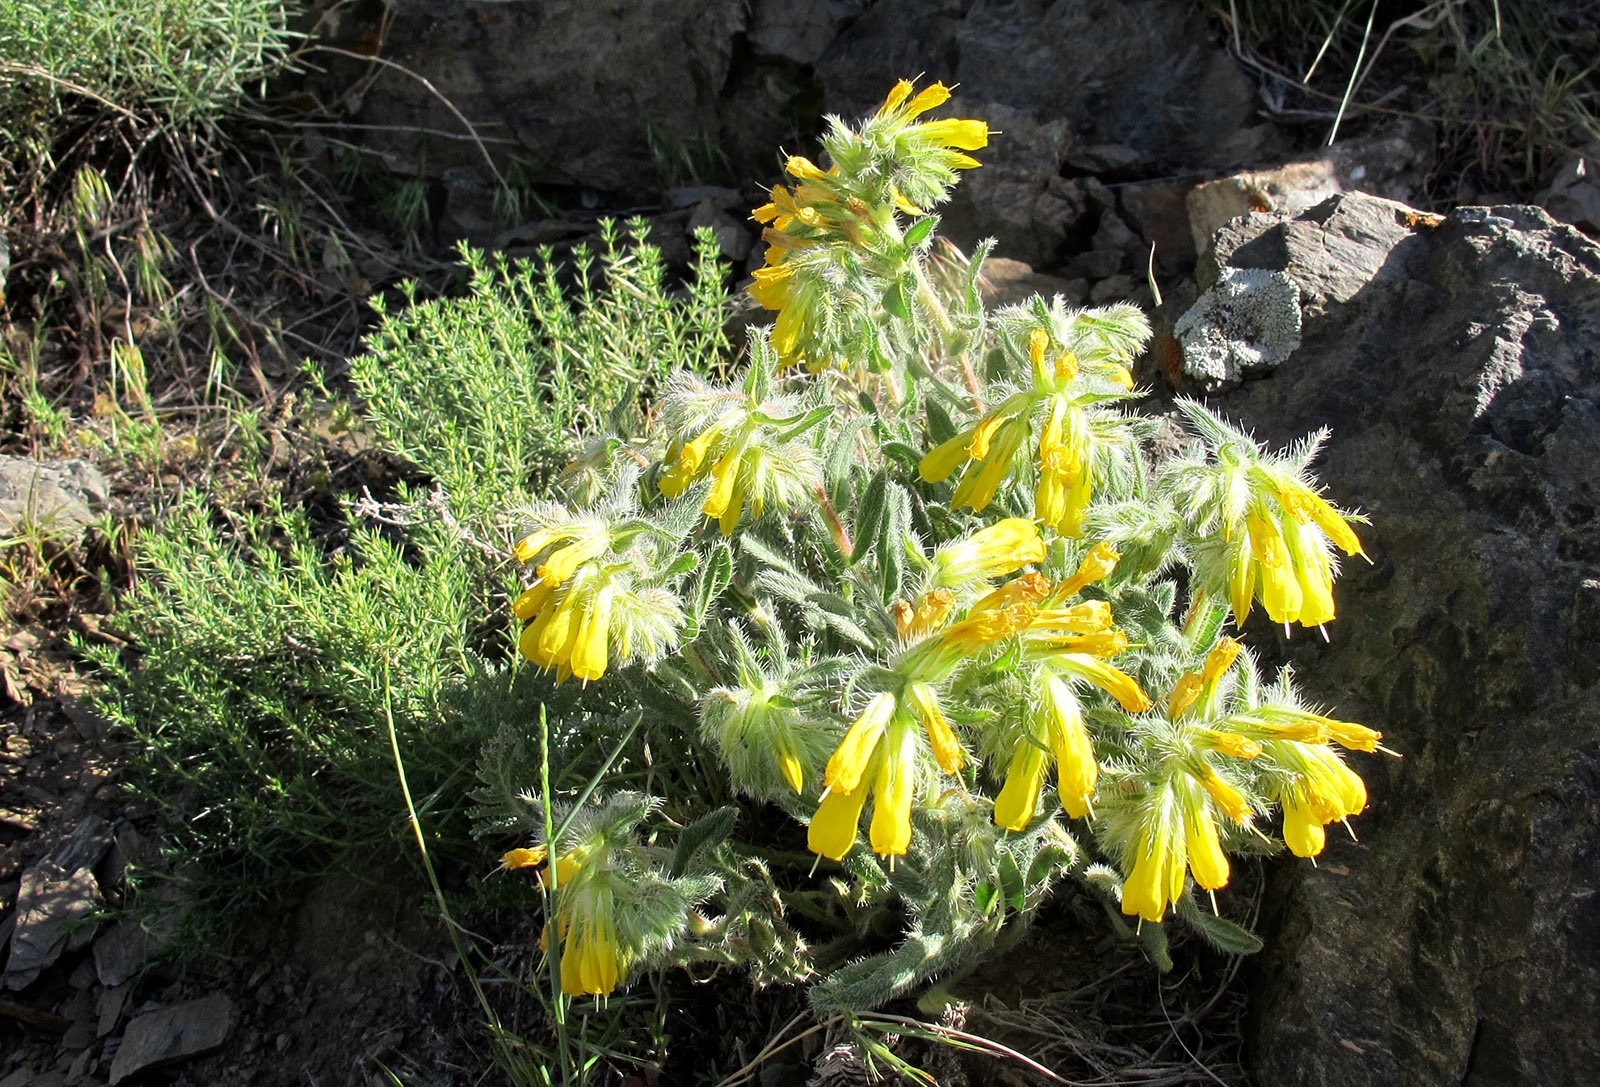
<point>1027,588</point>
<point>1230,800</point>
<point>878,751</point>
<point>579,540</point>
<point>804,168</point>
<point>1185,693</point>
<point>999,549</point>
<point>890,831</point>
<point>1056,732</point>
<point>850,760</point>
<point>1218,661</point>
<point>569,628</point>
<point>590,957</point>
<point>1303,504</point>
<point>983,477</point>
<point>1118,684</point>
<point>1283,555</point>
<point>1096,566</point>
<point>946,748</point>
<point>1157,862</point>
<point>1353,736</point>
<point>833,828</point>
<point>1230,743</point>
<point>1014,807</point>
<point>1323,790</point>
<point>1206,859</point>
<point>1084,617</point>
<point>913,622</point>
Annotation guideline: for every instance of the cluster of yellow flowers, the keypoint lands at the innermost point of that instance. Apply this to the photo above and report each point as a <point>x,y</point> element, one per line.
<point>1066,446</point>
<point>570,603</point>
<point>1178,823</point>
<point>1165,785</point>
<point>1065,643</point>
<point>1282,556</point>
<point>591,960</point>
<point>804,225</point>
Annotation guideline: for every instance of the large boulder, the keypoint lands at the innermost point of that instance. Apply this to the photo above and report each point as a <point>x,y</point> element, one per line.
<point>622,99</point>
<point>1457,361</point>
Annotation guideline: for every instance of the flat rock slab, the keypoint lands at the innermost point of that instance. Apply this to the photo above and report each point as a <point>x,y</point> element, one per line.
<point>174,1034</point>
<point>53,915</point>
<point>49,497</point>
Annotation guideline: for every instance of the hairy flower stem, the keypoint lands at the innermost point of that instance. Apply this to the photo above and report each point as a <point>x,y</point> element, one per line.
<point>559,1004</point>
<point>929,297</point>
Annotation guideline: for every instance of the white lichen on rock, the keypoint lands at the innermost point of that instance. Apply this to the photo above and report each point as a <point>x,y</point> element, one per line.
<point>1249,322</point>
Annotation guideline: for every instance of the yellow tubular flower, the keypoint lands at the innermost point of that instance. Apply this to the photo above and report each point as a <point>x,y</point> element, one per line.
<point>1230,743</point>
<point>1085,617</point>
<point>589,950</point>
<point>1324,791</point>
<point>789,764</point>
<point>1355,737</point>
<point>939,462</point>
<point>1002,548</point>
<point>903,204</point>
<point>588,659</point>
<point>891,805</point>
<point>1241,580</point>
<point>804,169</point>
<point>1218,661</point>
<point>983,478</point>
<point>854,753</point>
<point>1115,682</point>
<point>1159,863</point>
<point>1225,796</point>
<point>899,93</point>
<point>1019,796</point>
<point>1096,565</point>
<point>1303,503</point>
<point>929,612</point>
<point>931,97</point>
<point>967,135</point>
<point>726,477</point>
<point>1021,590</point>
<point>833,829</point>
<point>1302,830</point>
<point>1206,859</point>
<point>1077,771</point>
<point>946,748</point>
<point>1185,693</point>
<point>531,600</point>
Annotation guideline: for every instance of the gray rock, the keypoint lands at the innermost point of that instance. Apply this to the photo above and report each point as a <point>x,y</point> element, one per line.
<point>121,952</point>
<point>56,902</point>
<point>733,238</point>
<point>1157,210</point>
<point>1458,365</point>
<point>173,1034</point>
<point>49,498</point>
<point>54,911</point>
<point>1247,323</point>
<point>799,30</point>
<point>627,98</point>
<point>578,90</point>
<point>1390,167</point>
<point>1573,195</point>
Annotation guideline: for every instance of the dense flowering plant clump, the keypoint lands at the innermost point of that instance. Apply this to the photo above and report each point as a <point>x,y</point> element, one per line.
<point>893,592</point>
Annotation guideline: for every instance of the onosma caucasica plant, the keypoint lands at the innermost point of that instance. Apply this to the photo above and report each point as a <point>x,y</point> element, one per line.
<point>914,578</point>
